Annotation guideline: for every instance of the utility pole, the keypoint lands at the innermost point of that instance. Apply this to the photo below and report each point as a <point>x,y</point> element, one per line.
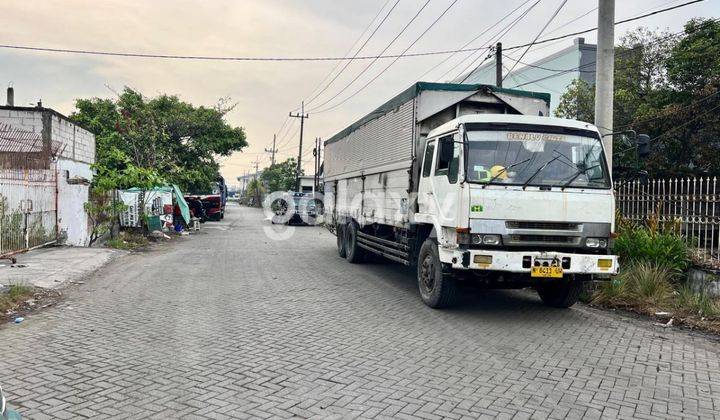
<point>257,183</point>
<point>316,153</point>
<point>498,64</point>
<point>302,115</point>
<point>604,74</point>
<point>272,151</point>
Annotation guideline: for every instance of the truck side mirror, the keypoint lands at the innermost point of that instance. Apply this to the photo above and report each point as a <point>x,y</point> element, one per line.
<point>643,145</point>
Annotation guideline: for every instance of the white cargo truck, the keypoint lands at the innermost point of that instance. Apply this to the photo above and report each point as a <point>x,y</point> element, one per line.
<point>473,183</point>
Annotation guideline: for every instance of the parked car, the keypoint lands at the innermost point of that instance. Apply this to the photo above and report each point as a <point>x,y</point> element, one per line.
<point>5,412</point>
<point>304,211</point>
<point>206,207</point>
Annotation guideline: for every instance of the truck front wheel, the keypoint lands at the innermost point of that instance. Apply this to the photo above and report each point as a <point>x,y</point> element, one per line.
<point>340,232</point>
<point>561,295</point>
<point>355,254</point>
<point>437,289</point>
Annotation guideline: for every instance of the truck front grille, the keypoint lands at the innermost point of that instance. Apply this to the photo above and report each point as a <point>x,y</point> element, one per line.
<point>515,224</point>
<point>544,239</point>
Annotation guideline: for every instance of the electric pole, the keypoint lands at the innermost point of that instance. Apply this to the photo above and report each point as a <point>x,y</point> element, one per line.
<point>316,153</point>
<point>302,115</point>
<point>272,151</point>
<point>245,182</point>
<point>604,74</point>
<point>257,182</point>
<point>498,65</point>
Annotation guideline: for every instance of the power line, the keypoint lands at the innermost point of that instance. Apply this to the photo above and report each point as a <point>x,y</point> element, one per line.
<point>592,63</point>
<point>486,30</point>
<point>572,20</point>
<point>373,61</point>
<point>667,9</point>
<point>347,63</point>
<point>392,62</point>
<point>328,58</point>
<point>554,15</point>
<point>496,38</point>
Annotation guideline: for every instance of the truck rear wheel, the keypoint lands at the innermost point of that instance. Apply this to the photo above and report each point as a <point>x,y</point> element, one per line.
<point>437,289</point>
<point>355,254</point>
<point>340,232</point>
<point>561,295</point>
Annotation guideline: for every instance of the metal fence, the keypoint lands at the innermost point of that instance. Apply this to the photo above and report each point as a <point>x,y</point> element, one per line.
<point>28,191</point>
<point>690,202</point>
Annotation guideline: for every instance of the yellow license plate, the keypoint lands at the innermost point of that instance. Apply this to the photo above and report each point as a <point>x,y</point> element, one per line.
<point>553,272</point>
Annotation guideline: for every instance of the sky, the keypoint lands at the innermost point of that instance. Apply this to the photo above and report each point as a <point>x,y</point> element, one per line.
<point>265,92</point>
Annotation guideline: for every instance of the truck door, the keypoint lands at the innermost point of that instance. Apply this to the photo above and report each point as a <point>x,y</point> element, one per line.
<point>426,202</point>
<point>445,179</point>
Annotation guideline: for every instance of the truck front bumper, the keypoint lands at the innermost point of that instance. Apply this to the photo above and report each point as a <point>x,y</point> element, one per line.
<point>522,261</point>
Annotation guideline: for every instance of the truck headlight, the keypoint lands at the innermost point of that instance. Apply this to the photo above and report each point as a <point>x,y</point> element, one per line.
<point>480,239</point>
<point>596,243</point>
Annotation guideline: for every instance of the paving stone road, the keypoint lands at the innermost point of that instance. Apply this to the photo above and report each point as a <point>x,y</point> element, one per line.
<point>230,324</point>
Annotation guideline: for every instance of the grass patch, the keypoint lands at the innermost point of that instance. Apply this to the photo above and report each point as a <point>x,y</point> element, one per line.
<point>643,286</point>
<point>14,295</point>
<point>648,289</point>
<point>690,303</point>
<point>128,241</point>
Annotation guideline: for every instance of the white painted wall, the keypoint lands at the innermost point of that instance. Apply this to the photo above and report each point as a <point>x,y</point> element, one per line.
<point>72,219</point>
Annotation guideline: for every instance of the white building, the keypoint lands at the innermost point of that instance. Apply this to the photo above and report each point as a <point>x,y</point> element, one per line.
<point>45,173</point>
<point>551,74</point>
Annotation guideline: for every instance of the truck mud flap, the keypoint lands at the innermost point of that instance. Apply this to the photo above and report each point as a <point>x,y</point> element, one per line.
<point>388,249</point>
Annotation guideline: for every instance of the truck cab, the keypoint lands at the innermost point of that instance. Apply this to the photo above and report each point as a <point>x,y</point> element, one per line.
<point>515,201</point>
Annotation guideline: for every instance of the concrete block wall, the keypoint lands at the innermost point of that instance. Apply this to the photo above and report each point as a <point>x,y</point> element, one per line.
<point>22,119</point>
<point>78,144</point>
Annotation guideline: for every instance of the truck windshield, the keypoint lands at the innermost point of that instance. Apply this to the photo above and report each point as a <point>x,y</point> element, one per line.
<point>539,159</point>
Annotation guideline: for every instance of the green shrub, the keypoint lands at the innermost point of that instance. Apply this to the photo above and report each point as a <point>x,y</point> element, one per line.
<point>660,249</point>
<point>641,285</point>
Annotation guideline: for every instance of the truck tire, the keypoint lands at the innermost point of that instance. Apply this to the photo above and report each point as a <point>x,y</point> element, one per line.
<point>437,289</point>
<point>560,295</point>
<point>340,232</point>
<point>355,254</point>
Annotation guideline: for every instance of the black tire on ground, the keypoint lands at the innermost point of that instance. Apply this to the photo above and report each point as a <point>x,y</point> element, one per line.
<point>437,289</point>
<point>340,233</point>
<point>561,295</point>
<point>354,254</point>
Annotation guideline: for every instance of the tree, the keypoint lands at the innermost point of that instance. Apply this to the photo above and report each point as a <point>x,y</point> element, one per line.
<point>254,192</point>
<point>578,102</point>
<point>666,87</point>
<point>281,176</point>
<point>144,142</point>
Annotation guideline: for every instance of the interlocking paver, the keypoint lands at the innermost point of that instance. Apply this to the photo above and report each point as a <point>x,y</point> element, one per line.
<point>230,324</point>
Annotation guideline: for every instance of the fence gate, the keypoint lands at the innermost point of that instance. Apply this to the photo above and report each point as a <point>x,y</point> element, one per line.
<point>28,192</point>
